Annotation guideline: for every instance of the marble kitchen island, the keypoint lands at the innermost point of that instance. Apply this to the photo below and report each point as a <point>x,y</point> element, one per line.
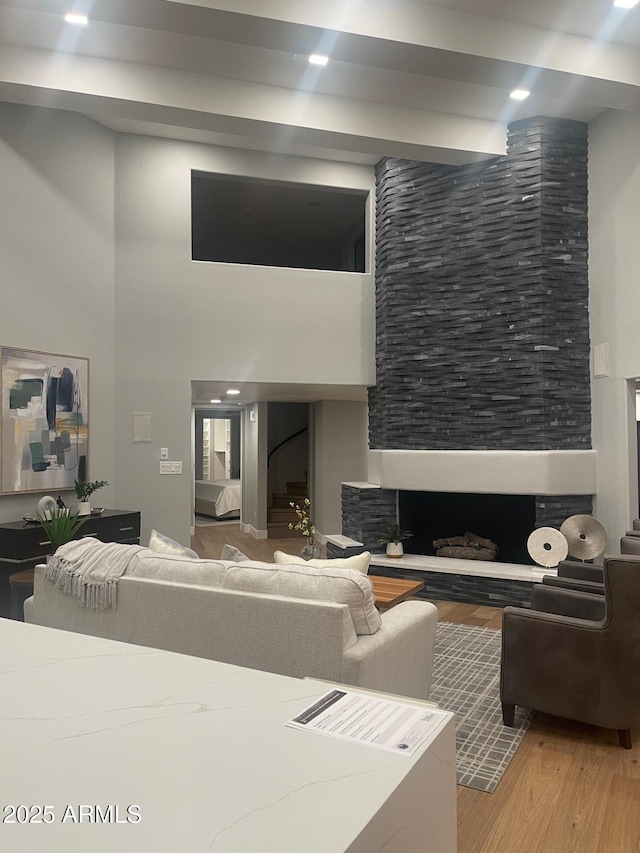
<point>167,752</point>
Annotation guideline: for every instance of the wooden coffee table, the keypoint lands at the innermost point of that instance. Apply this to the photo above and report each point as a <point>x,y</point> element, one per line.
<point>391,591</point>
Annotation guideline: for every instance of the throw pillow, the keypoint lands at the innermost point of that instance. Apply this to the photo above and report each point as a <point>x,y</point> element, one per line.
<point>162,544</point>
<point>229,552</point>
<point>359,562</point>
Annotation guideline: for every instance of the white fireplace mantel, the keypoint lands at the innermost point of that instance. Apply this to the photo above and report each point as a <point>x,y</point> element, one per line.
<point>497,472</point>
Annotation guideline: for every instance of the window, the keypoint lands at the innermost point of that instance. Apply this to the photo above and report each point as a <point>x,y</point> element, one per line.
<point>245,221</point>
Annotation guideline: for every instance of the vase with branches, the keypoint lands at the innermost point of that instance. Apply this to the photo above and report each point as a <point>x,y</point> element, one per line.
<point>311,550</point>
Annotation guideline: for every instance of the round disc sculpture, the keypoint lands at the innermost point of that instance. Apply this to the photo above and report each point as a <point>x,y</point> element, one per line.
<point>547,546</point>
<point>585,536</point>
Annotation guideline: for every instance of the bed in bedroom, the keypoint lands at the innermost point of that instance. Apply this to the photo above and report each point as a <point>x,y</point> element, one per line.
<point>218,498</point>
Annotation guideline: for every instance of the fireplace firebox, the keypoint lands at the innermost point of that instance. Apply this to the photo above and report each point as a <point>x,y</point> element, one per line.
<point>507,520</point>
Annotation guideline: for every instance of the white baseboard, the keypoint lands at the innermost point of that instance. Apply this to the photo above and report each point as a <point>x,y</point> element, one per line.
<point>257,534</point>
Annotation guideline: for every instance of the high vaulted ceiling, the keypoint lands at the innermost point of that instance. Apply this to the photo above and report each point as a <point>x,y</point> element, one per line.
<point>405,78</point>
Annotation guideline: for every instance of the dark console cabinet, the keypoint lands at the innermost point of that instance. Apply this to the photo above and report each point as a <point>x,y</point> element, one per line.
<point>23,545</point>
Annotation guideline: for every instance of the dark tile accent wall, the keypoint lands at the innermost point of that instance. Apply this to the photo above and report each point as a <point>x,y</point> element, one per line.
<point>366,512</point>
<point>482,328</point>
<point>482,336</point>
<point>496,592</point>
<point>552,511</point>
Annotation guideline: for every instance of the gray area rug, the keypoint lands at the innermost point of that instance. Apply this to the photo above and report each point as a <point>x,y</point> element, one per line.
<point>466,680</point>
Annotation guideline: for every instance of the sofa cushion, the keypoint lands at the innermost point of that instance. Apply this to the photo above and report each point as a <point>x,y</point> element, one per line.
<point>342,586</point>
<point>171,567</point>
<point>162,544</point>
<point>359,562</point>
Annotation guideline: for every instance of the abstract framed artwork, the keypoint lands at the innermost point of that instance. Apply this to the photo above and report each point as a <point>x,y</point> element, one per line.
<point>44,426</point>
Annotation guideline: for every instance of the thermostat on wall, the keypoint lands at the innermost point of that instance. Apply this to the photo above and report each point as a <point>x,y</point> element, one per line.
<point>601,360</point>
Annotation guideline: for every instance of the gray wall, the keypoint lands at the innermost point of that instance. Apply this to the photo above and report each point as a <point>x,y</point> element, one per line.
<point>178,320</point>
<point>57,273</point>
<point>339,442</point>
<point>254,468</point>
<point>614,199</point>
<point>169,319</point>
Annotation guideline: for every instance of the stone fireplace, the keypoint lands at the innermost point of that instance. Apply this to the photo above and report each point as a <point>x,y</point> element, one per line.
<point>482,395</point>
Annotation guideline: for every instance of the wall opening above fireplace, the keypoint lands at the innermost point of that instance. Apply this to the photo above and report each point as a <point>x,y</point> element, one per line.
<point>507,520</point>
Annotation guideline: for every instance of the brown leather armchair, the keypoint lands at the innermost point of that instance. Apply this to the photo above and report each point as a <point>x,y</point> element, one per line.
<point>582,577</point>
<point>585,669</point>
<point>635,529</point>
<point>585,577</point>
<point>630,542</point>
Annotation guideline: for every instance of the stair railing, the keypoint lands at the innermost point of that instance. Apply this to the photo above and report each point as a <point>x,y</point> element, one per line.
<point>285,441</point>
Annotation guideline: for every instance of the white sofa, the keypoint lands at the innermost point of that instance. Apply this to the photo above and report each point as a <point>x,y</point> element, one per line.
<point>293,620</point>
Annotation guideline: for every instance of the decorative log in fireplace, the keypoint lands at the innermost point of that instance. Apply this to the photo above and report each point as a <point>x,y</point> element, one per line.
<point>467,547</point>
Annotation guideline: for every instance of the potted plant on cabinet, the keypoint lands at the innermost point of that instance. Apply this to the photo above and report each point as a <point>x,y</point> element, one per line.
<point>84,491</point>
<point>392,537</point>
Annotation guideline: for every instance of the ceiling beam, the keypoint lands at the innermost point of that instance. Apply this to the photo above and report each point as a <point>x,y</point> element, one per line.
<point>408,36</point>
<point>127,90</point>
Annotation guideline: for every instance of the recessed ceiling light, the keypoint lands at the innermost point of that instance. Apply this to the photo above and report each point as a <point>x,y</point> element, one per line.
<point>215,401</point>
<point>519,94</point>
<point>232,391</point>
<point>625,4</point>
<point>76,18</point>
<point>318,59</point>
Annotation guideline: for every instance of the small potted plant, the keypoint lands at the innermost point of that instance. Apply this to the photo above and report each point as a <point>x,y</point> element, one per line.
<point>60,526</point>
<point>392,537</point>
<point>84,491</point>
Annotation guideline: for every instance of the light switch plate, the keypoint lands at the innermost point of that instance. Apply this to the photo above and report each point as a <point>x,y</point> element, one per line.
<point>164,453</point>
<point>171,467</point>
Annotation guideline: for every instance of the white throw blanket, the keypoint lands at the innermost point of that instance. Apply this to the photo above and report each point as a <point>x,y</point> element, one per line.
<point>90,570</point>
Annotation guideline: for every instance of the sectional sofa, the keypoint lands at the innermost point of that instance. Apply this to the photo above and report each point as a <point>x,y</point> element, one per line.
<point>295,620</point>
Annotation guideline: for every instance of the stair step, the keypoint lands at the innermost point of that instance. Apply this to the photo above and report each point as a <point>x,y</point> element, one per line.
<point>275,530</point>
<point>281,500</point>
<point>298,489</point>
<point>283,515</point>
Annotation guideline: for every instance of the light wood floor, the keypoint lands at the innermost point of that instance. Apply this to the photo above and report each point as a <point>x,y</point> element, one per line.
<point>569,789</point>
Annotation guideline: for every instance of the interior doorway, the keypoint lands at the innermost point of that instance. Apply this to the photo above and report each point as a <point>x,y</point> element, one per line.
<point>288,465</point>
<point>217,453</point>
